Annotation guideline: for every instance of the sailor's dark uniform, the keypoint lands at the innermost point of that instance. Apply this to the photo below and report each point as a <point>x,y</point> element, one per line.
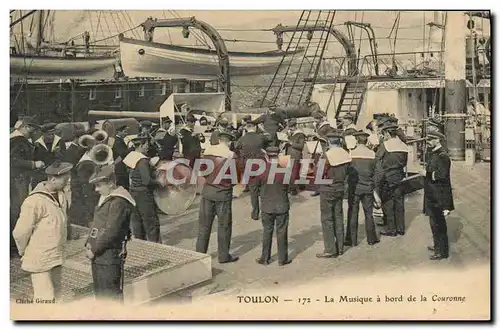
<point>82,207</point>
<point>295,150</point>
<point>391,160</point>
<point>168,143</point>
<point>272,125</point>
<point>120,150</point>
<point>107,238</point>
<point>331,198</point>
<point>275,212</point>
<point>361,185</point>
<point>438,197</point>
<point>145,222</point>
<point>216,200</point>
<point>21,167</point>
<point>191,145</point>
<point>251,146</point>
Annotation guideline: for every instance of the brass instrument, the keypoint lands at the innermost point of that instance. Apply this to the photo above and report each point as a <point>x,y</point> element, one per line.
<point>101,154</point>
<point>87,141</point>
<point>100,136</point>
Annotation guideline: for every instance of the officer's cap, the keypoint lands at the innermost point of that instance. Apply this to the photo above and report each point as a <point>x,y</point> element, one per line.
<point>146,123</point>
<point>101,174</point>
<point>272,151</point>
<point>227,135</point>
<point>435,135</point>
<point>30,121</point>
<point>58,168</point>
<point>360,133</point>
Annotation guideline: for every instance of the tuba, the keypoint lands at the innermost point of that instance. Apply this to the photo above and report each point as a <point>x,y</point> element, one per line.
<point>100,136</point>
<point>101,155</point>
<point>87,141</point>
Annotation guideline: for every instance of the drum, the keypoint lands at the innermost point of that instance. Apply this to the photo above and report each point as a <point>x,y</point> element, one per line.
<point>172,196</point>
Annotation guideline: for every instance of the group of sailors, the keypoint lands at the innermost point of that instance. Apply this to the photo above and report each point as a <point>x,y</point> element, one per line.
<point>118,195</point>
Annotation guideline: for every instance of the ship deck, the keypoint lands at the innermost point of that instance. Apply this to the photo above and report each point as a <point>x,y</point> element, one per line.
<point>469,230</point>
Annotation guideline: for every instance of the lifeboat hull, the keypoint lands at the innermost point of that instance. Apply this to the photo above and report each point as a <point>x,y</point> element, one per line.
<point>59,67</point>
<point>142,59</point>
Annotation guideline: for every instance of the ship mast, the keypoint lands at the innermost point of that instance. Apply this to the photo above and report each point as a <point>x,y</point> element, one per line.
<point>455,83</point>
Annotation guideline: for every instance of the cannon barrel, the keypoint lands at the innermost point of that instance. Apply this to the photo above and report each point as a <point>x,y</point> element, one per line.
<point>111,125</point>
<point>154,116</point>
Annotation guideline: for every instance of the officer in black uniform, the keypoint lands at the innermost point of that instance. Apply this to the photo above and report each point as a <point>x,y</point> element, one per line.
<point>120,150</point>
<point>361,190</point>
<point>438,196</point>
<point>337,166</point>
<point>251,146</point>
<point>217,200</point>
<point>295,149</point>
<point>22,164</point>
<point>191,144</point>
<point>169,140</point>
<point>106,244</point>
<point>145,222</point>
<point>275,212</point>
<point>391,159</point>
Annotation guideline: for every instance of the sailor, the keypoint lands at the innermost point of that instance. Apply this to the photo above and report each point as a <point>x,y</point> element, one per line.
<point>48,148</point>
<point>275,211</point>
<point>349,129</point>
<point>272,122</point>
<point>168,139</point>
<point>42,230</point>
<point>145,222</point>
<point>242,128</point>
<point>191,144</point>
<point>74,151</point>
<point>108,235</point>
<point>391,160</point>
<point>323,127</point>
<point>337,163</point>
<point>251,146</point>
<point>22,164</point>
<point>222,126</point>
<point>391,119</point>
<point>438,196</point>
<point>120,151</point>
<point>361,190</point>
<point>435,125</point>
<point>373,140</point>
<point>295,149</point>
<point>216,200</point>
<point>146,128</point>
<point>82,209</point>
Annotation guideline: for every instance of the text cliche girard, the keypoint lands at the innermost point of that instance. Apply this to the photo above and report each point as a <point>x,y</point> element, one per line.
<point>345,299</point>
